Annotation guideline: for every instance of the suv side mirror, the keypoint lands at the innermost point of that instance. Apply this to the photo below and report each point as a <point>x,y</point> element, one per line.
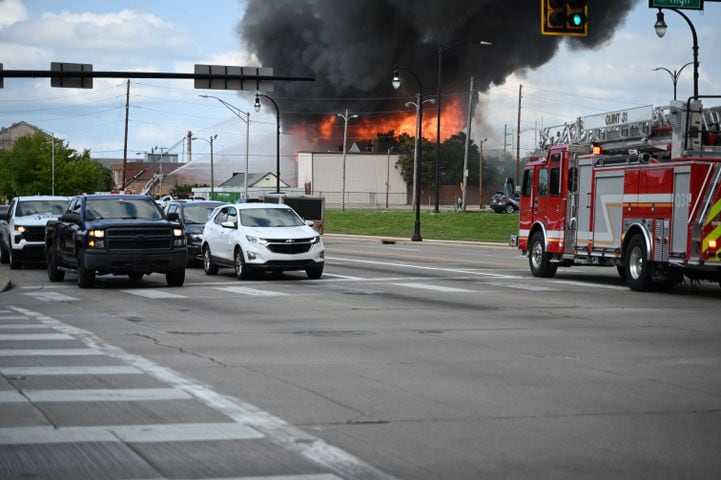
<point>5,216</point>
<point>173,216</point>
<point>228,225</point>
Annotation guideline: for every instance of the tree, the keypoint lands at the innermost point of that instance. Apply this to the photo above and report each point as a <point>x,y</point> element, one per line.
<point>26,169</point>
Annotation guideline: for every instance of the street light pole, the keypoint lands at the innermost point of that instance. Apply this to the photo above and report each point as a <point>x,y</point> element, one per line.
<point>417,104</point>
<point>212,179</point>
<point>480,174</point>
<point>441,52</point>
<point>277,136</point>
<point>674,75</point>
<point>238,112</point>
<point>661,27</point>
<point>345,118</point>
<point>416,187</point>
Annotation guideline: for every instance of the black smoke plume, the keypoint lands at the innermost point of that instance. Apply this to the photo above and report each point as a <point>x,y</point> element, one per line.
<point>351,46</point>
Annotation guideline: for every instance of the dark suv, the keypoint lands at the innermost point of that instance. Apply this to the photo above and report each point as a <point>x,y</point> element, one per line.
<point>193,214</point>
<point>506,201</point>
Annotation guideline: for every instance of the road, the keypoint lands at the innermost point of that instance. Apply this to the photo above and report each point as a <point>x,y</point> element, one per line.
<point>407,360</point>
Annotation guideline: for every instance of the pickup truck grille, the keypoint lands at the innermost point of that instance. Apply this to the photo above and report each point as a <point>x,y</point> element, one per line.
<point>300,245</point>
<point>156,238</point>
<point>34,234</point>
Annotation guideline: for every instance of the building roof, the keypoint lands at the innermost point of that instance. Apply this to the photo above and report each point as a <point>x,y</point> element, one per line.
<point>238,180</point>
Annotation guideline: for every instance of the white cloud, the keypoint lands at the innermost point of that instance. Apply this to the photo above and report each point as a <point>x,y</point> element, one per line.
<point>12,11</point>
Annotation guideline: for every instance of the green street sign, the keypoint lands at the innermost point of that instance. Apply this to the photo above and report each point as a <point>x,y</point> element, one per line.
<point>680,4</point>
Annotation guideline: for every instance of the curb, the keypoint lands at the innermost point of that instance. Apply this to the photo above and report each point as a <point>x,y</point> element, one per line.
<point>5,283</point>
<point>404,240</point>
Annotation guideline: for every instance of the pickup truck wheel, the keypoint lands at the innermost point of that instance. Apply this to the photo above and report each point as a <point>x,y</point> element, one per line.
<point>54,274</point>
<point>175,278</point>
<point>15,263</point>
<point>538,258</point>
<point>638,268</point>
<point>208,266</point>
<point>314,272</point>
<point>86,277</point>
<point>4,256</point>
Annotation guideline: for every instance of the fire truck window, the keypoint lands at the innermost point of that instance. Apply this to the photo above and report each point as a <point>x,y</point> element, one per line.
<point>555,158</point>
<point>555,181</point>
<point>572,180</point>
<point>527,183</point>
<point>543,182</point>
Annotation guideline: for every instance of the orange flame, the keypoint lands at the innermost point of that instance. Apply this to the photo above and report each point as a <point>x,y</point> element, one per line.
<point>453,120</point>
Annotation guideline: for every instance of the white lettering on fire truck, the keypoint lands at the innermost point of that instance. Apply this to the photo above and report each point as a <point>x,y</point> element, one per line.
<point>682,199</point>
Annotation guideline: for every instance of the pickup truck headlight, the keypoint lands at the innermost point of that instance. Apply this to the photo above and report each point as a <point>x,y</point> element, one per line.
<point>178,237</point>
<point>257,240</point>
<point>96,239</point>
<point>20,229</point>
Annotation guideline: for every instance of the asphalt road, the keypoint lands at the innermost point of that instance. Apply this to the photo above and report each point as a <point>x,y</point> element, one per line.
<point>408,360</point>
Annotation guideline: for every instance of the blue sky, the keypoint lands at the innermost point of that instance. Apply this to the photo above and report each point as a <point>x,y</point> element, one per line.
<point>175,35</point>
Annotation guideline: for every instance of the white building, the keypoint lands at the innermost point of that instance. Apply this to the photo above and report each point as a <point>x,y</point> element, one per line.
<point>371,179</point>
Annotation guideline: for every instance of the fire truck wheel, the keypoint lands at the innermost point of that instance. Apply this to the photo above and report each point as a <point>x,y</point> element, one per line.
<point>638,268</point>
<point>538,258</point>
<point>621,269</point>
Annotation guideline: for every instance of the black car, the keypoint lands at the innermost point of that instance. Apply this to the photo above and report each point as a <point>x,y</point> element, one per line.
<point>193,214</point>
<point>506,201</point>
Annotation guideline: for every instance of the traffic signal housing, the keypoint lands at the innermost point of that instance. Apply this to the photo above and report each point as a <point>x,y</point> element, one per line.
<point>564,17</point>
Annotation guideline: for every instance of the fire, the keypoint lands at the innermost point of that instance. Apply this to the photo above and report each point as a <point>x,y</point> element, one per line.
<point>453,120</point>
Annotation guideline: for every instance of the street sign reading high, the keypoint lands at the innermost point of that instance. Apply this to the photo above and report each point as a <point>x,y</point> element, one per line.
<point>680,4</point>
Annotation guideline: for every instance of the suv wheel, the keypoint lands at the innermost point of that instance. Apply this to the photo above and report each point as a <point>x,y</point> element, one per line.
<point>314,272</point>
<point>15,263</point>
<point>509,208</point>
<point>208,266</point>
<point>242,271</point>
<point>4,256</point>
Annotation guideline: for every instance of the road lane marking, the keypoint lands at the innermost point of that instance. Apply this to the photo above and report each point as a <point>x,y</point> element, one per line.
<point>253,292</point>
<point>276,430</point>
<point>17,337</point>
<point>47,352</point>
<point>422,267</point>
<point>22,326</point>
<point>77,370</point>
<point>344,277</point>
<point>51,297</point>
<point>436,288</point>
<point>522,286</point>
<point>11,396</point>
<point>152,293</point>
<point>107,395</point>
<point>181,432</point>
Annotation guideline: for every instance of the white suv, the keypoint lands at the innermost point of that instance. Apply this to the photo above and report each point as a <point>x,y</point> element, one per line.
<point>256,237</point>
<point>23,239</point>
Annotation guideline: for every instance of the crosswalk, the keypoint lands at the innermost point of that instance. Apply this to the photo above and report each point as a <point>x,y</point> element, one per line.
<point>39,374</point>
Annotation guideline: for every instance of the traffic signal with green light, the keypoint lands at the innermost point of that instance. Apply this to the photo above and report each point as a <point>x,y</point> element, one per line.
<point>564,17</point>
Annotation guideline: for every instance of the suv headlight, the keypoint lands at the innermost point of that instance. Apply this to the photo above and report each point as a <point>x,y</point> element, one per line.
<point>257,240</point>
<point>315,240</point>
<point>96,239</point>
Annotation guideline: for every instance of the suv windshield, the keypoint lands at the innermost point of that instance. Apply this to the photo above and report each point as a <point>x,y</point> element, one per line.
<point>40,207</point>
<point>122,208</point>
<point>197,213</point>
<point>269,217</point>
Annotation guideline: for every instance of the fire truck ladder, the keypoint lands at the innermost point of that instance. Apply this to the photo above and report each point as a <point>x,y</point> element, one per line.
<point>644,129</point>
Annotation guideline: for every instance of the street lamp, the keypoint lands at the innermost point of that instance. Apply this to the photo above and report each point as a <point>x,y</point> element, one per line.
<point>674,75</point>
<point>441,52</point>
<point>212,179</point>
<point>661,28</point>
<point>345,118</point>
<point>256,105</point>
<point>480,174</point>
<point>396,82</point>
<point>417,104</point>
<point>238,112</point>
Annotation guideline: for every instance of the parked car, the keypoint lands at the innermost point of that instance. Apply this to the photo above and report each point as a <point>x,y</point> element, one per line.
<point>253,238</point>
<point>506,201</point>
<point>193,214</point>
<point>23,234</point>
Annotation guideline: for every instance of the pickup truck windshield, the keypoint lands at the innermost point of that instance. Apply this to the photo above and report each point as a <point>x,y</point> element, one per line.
<point>121,208</point>
<point>40,207</point>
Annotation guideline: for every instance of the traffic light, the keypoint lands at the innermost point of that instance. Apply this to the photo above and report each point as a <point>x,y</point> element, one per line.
<point>564,17</point>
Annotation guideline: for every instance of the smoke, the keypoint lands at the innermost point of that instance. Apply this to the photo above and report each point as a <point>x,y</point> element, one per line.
<point>350,47</point>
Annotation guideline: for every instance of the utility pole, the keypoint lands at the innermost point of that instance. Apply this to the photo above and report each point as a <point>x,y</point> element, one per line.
<point>518,136</point>
<point>465,153</point>
<point>345,118</point>
<point>125,146</point>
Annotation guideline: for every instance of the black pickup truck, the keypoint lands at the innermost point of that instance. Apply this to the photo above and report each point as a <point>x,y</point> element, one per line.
<point>115,234</point>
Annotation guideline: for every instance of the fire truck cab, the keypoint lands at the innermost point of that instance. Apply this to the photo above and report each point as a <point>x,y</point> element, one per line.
<point>639,190</point>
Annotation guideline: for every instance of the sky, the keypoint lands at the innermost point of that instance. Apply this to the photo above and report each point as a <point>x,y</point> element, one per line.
<point>172,36</point>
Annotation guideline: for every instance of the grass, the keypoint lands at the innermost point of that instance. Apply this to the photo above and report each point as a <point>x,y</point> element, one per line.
<point>469,226</point>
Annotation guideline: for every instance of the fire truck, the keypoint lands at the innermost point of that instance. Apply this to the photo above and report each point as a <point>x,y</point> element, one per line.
<point>638,189</point>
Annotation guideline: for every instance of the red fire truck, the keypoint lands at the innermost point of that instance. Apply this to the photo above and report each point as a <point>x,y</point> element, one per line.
<point>638,189</point>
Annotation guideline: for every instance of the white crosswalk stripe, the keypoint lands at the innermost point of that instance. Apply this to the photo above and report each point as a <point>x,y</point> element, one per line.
<point>51,297</point>
<point>436,288</point>
<point>30,371</point>
<point>152,293</point>
<point>253,292</point>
